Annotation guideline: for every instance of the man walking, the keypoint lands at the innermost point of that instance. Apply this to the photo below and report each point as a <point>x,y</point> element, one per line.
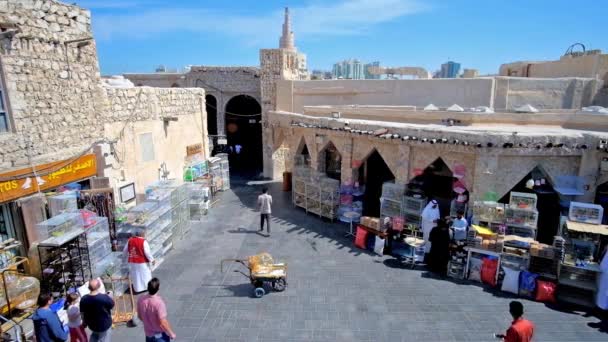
<point>152,311</point>
<point>138,255</point>
<point>264,204</point>
<point>96,310</point>
<point>521,330</point>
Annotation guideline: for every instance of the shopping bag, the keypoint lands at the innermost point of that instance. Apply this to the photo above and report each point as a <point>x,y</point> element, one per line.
<point>488,271</point>
<point>545,291</point>
<point>527,284</point>
<point>361,238</point>
<point>379,245</point>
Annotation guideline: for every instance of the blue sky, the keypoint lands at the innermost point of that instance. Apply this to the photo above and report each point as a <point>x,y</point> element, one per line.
<point>138,35</point>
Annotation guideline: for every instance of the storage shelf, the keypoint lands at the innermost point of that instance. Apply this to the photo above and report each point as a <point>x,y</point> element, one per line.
<point>585,285</point>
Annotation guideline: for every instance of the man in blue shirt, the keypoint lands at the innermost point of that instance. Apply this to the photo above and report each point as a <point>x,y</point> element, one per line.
<point>47,325</point>
<point>96,310</point>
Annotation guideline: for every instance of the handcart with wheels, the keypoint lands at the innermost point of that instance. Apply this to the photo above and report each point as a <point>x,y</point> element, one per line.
<point>262,271</point>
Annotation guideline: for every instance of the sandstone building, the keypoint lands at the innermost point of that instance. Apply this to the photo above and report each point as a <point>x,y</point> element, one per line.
<point>64,125</point>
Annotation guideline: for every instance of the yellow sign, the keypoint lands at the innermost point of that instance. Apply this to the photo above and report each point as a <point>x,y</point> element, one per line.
<point>19,183</point>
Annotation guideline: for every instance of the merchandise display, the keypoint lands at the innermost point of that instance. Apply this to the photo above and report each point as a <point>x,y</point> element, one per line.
<point>62,203</point>
<point>523,200</point>
<point>98,244</point>
<point>586,213</point>
<point>17,290</point>
<point>317,193</point>
<point>65,224</point>
<point>65,264</point>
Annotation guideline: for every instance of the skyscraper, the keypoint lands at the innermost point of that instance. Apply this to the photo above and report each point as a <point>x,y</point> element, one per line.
<point>369,76</point>
<point>351,69</point>
<point>450,70</point>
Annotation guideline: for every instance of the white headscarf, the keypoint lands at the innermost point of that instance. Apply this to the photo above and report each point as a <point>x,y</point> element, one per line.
<point>429,213</point>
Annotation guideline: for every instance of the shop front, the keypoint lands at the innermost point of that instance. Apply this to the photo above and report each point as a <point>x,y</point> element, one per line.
<point>17,188</point>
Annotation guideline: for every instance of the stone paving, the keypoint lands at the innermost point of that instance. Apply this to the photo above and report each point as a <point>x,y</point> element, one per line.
<point>336,292</point>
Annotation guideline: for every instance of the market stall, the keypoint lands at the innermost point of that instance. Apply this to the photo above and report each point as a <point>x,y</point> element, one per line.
<point>579,268</point>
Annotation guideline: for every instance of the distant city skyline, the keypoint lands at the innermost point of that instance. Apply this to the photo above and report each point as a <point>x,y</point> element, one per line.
<point>139,35</point>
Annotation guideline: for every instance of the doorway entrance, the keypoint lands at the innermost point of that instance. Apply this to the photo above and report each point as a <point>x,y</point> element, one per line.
<point>437,182</point>
<point>330,161</point>
<point>211,108</point>
<point>244,134</point>
<point>373,172</point>
<point>547,204</point>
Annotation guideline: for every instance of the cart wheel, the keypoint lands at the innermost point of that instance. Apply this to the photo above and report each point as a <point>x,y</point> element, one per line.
<point>259,292</point>
<point>280,285</point>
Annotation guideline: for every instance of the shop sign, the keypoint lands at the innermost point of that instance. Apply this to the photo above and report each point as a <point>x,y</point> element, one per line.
<point>194,149</point>
<point>23,182</point>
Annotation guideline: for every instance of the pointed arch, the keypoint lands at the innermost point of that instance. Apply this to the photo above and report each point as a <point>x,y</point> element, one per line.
<point>302,153</point>
<point>330,161</point>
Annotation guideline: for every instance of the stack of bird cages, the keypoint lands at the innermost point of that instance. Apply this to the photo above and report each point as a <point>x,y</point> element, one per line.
<point>488,211</point>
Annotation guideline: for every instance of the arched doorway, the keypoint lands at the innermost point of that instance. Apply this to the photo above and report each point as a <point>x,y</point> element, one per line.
<point>302,156</point>
<point>547,205</point>
<point>330,161</point>
<point>244,134</point>
<point>372,173</point>
<point>211,108</point>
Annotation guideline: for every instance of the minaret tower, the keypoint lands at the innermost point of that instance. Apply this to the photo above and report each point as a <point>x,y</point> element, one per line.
<point>287,40</point>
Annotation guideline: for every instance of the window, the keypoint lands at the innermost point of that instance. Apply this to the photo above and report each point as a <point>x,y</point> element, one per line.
<point>3,112</point>
<point>146,145</point>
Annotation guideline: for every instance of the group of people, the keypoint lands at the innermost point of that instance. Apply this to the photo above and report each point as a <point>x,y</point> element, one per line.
<point>94,310</point>
<point>437,233</point>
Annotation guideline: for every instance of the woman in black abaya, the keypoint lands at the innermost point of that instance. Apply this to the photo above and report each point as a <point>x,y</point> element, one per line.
<point>440,248</point>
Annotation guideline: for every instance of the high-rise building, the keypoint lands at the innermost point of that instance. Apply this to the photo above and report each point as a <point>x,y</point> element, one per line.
<point>367,74</point>
<point>450,70</point>
<point>351,69</point>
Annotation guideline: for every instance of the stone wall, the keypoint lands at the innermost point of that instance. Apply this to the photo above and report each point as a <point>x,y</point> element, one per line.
<point>496,92</point>
<point>484,169</point>
<point>140,111</point>
<point>57,101</point>
<point>52,87</point>
<point>223,83</point>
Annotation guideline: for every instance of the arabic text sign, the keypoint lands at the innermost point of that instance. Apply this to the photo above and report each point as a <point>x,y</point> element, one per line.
<point>26,184</point>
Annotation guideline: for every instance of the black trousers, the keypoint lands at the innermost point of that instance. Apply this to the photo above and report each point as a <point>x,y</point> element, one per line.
<point>267,218</point>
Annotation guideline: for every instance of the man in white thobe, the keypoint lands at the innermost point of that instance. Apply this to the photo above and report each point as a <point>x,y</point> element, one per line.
<point>601,299</point>
<point>138,255</point>
<point>430,216</point>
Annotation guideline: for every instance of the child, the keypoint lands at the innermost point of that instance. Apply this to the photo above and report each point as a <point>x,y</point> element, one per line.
<point>77,332</point>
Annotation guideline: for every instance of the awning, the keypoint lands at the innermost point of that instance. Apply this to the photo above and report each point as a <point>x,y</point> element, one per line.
<point>587,228</point>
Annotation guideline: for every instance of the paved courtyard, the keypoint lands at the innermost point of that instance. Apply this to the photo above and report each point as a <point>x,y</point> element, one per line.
<point>336,292</point>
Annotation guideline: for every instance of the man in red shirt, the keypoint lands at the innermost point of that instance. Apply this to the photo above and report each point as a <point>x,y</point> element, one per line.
<point>152,311</point>
<point>521,330</point>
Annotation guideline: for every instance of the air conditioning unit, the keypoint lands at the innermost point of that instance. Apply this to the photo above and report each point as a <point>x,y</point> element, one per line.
<point>336,115</point>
